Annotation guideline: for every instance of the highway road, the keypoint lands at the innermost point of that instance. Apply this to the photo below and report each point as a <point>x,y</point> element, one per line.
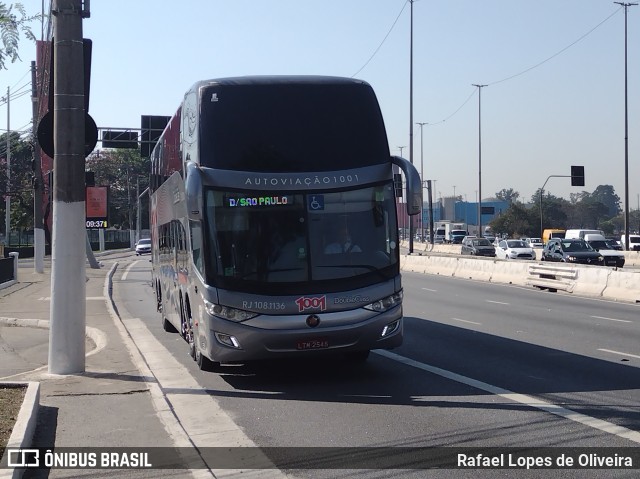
<point>482,365</point>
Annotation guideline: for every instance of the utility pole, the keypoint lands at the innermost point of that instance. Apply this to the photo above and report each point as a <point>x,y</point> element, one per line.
<point>38,223</point>
<point>68,277</point>
<point>479,159</point>
<point>403,210</point>
<point>430,212</point>
<point>138,219</point>
<point>626,131</point>
<point>422,177</point>
<point>7,198</point>
<point>411,119</point>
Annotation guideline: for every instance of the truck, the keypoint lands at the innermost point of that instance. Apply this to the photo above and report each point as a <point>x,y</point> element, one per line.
<point>457,231</point>
<point>449,232</point>
<point>552,233</point>
<point>441,234</point>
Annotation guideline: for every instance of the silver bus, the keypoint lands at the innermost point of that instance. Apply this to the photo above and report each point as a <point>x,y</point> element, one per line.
<point>273,220</point>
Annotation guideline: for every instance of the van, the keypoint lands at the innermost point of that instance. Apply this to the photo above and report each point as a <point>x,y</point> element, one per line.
<point>634,242</point>
<point>581,233</point>
<point>551,233</point>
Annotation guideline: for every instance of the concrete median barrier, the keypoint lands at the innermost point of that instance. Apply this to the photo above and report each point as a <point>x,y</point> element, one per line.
<point>631,258</point>
<point>623,285</point>
<point>475,268</point>
<point>510,272</point>
<point>595,281</point>
<point>592,280</point>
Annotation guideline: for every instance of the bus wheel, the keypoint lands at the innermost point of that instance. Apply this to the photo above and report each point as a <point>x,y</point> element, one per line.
<point>357,356</point>
<point>192,348</point>
<point>158,298</point>
<point>203,362</point>
<point>184,325</point>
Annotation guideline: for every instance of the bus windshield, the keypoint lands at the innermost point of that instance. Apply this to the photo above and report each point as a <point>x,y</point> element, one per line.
<point>284,127</point>
<point>261,241</point>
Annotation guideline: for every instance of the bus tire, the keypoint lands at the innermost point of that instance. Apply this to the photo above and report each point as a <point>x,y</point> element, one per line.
<point>158,298</point>
<point>203,362</point>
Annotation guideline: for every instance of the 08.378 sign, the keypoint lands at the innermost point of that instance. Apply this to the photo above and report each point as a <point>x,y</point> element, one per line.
<point>97,207</point>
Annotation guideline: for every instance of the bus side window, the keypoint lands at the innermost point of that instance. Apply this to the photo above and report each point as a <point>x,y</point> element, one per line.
<point>196,244</point>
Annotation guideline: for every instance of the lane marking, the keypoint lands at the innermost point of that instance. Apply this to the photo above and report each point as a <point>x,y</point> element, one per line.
<point>612,319</point>
<point>619,353</point>
<point>523,399</point>
<point>465,321</point>
<point>88,298</point>
<point>429,289</point>
<point>126,271</point>
<point>496,302</point>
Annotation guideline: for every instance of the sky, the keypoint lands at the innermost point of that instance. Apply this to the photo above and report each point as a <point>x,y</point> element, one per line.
<point>554,70</point>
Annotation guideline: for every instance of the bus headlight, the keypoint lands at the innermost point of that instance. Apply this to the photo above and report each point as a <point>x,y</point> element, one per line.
<point>385,304</point>
<point>230,314</point>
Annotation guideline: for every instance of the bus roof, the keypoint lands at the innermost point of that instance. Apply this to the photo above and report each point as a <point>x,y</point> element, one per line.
<point>279,80</point>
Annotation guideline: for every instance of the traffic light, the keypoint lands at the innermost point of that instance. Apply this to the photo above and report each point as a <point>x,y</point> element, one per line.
<point>577,175</point>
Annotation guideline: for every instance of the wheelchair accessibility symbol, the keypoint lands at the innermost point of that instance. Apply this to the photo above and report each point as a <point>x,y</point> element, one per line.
<point>316,202</point>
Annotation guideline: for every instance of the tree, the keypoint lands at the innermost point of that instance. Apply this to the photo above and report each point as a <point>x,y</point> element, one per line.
<point>121,170</point>
<point>11,25</point>
<point>507,194</point>
<point>516,221</point>
<point>554,210</point>
<point>606,195</point>
<point>21,186</point>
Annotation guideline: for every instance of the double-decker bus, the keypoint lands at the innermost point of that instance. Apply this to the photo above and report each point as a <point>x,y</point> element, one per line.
<point>273,220</point>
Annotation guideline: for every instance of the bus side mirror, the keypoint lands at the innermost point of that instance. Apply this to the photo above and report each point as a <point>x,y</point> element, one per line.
<point>414,185</point>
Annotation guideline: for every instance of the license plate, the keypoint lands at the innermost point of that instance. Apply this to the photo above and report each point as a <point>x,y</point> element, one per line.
<point>313,344</point>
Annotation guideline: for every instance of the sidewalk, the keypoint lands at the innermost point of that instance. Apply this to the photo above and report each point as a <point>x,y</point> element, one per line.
<point>109,405</point>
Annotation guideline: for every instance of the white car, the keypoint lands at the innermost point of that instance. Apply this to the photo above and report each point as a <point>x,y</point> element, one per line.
<point>535,242</point>
<point>514,249</point>
<point>143,246</point>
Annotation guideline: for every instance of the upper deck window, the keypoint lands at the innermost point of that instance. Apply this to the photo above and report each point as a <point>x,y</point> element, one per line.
<point>291,127</point>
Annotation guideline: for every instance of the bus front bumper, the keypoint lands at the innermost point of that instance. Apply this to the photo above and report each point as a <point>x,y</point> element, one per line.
<point>225,341</point>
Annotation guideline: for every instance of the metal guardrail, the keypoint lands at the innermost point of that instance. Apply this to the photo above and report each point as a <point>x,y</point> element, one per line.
<point>552,278</point>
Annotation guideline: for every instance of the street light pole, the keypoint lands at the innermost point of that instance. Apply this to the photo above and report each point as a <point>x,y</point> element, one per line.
<point>479,159</point>
<point>411,117</point>
<point>454,203</point>
<point>7,198</point>
<point>403,210</point>
<point>626,132</point>
<point>422,176</point>
<point>541,190</point>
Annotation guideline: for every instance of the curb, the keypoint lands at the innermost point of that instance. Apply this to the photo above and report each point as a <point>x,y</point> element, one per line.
<point>25,426</point>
